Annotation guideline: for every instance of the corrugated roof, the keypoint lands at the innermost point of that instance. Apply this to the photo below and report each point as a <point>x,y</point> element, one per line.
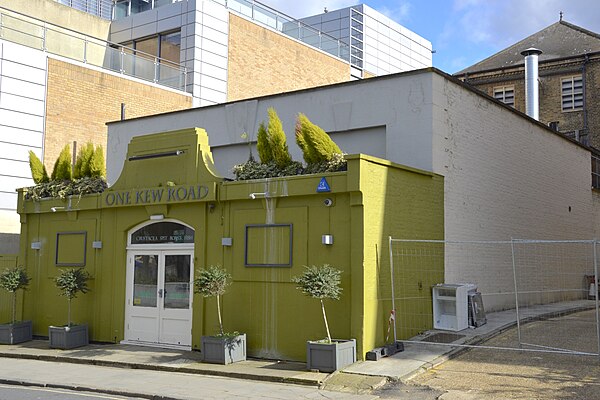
<point>559,40</point>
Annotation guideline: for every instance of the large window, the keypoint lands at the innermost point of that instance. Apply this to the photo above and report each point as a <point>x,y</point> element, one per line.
<point>505,94</point>
<point>572,93</point>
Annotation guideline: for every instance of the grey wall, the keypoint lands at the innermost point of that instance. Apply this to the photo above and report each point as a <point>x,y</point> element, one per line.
<point>388,117</point>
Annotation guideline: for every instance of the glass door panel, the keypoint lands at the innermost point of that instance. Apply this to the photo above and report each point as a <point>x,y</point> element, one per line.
<point>177,281</point>
<point>145,281</point>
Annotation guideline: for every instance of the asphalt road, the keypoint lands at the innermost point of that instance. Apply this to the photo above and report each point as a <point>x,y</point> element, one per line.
<point>147,383</point>
<point>500,374</point>
<point>10,392</point>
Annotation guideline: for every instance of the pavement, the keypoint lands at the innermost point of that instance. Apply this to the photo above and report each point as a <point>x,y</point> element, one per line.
<point>360,378</point>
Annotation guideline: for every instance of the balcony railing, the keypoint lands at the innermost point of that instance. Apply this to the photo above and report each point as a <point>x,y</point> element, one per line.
<point>100,8</point>
<point>73,45</point>
<point>261,14</point>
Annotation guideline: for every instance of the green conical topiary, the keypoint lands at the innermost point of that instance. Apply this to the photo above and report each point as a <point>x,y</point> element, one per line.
<point>277,140</point>
<point>82,164</point>
<point>315,143</point>
<point>38,169</point>
<point>62,167</point>
<point>96,165</point>
<point>262,145</point>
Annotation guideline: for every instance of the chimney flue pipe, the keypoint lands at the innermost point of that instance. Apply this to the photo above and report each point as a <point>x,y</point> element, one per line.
<point>532,92</point>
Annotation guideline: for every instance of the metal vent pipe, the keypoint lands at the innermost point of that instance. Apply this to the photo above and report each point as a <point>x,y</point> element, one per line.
<point>532,92</point>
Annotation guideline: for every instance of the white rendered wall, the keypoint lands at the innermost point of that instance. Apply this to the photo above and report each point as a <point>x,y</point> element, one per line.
<point>506,176</point>
<point>22,111</point>
<point>204,27</point>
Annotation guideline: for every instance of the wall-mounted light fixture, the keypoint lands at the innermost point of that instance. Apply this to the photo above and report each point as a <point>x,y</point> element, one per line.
<point>157,217</point>
<point>97,244</point>
<point>327,239</point>
<point>36,245</point>
<point>227,241</point>
<point>255,195</point>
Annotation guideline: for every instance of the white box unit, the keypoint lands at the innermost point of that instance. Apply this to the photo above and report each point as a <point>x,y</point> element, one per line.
<point>450,311</point>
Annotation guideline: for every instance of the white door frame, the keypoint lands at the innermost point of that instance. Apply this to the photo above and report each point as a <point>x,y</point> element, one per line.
<point>151,320</point>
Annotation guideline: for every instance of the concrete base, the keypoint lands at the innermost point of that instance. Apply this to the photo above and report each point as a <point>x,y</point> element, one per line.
<point>329,357</point>
<point>223,350</point>
<point>68,337</point>
<point>18,332</point>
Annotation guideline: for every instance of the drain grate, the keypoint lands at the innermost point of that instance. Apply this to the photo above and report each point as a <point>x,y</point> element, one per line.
<point>442,337</point>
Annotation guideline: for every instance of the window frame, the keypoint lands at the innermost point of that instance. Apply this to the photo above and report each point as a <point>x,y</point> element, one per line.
<point>574,95</point>
<point>502,90</point>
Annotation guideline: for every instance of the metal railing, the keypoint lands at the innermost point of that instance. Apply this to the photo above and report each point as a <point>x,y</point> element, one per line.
<point>73,45</point>
<point>100,8</point>
<point>272,18</point>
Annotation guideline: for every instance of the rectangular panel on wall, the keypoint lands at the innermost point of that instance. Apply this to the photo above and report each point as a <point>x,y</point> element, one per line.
<point>269,245</point>
<point>71,249</point>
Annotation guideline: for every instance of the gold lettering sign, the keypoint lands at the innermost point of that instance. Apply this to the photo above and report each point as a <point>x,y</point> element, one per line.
<point>160,195</point>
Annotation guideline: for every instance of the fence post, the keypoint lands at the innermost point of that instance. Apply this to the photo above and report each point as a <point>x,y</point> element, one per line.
<point>514,265</point>
<point>596,295</point>
<point>392,283</point>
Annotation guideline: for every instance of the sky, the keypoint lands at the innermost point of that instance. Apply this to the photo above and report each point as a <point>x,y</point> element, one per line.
<point>464,32</point>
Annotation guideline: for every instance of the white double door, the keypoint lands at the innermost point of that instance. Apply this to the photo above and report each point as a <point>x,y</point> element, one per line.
<point>159,297</point>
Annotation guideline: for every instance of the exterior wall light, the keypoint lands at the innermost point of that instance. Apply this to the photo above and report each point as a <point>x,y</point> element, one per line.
<point>327,239</point>
<point>36,245</point>
<point>227,241</point>
<point>97,244</point>
<point>157,217</point>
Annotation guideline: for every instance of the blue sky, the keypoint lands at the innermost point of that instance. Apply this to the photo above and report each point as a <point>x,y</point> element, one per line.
<point>464,32</point>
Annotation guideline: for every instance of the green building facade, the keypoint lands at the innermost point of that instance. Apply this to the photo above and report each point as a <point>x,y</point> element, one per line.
<point>171,213</point>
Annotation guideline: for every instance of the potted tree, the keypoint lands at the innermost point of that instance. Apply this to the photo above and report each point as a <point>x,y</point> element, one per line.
<point>70,282</point>
<point>223,348</point>
<point>326,355</point>
<point>14,332</point>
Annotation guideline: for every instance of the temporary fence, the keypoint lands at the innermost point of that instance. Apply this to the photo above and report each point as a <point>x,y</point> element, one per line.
<point>550,282</point>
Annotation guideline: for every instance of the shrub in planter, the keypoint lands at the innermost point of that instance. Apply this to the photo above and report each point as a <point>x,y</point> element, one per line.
<point>15,331</point>
<point>223,348</point>
<point>70,282</point>
<point>327,355</point>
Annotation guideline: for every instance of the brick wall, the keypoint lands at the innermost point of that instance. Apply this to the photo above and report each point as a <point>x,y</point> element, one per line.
<point>550,93</point>
<point>263,62</point>
<point>81,100</point>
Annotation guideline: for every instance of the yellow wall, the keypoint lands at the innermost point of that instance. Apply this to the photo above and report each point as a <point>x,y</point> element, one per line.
<point>372,200</point>
<point>262,62</point>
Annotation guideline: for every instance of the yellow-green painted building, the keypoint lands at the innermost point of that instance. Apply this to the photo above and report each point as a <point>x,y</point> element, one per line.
<point>171,213</point>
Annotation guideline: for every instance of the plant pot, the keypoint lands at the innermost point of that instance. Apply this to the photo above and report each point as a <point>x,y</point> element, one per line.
<point>65,337</point>
<point>329,357</point>
<point>223,349</point>
<point>17,332</point>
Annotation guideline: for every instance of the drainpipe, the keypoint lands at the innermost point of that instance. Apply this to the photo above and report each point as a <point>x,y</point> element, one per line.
<point>532,91</point>
<point>585,111</point>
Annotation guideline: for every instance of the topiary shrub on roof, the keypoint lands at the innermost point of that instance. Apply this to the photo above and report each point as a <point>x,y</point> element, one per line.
<point>38,169</point>
<point>97,164</point>
<point>82,164</point>
<point>315,143</point>
<point>62,167</point>
<point>320,152</point>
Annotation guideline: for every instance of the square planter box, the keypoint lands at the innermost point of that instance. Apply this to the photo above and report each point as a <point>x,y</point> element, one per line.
<point>63,337</point>
<point>329,357</point>
<point>223,350</point>
<point>18,332</point>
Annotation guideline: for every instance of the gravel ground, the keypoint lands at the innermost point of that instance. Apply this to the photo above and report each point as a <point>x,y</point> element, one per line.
<point>501,374</point>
